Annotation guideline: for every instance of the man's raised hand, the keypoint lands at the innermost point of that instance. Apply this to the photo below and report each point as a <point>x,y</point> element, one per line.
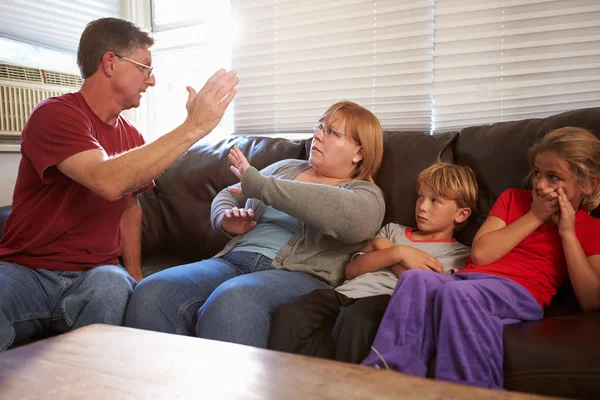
<point>206,108</point>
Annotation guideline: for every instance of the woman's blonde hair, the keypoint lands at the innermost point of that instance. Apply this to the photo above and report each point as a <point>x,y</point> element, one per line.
<point>453,182</point>
<point>581,150</point>
<point>363,127</point>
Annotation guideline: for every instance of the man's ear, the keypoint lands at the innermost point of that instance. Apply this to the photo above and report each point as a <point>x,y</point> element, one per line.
<point>107,63</point>
<point>462,214</point>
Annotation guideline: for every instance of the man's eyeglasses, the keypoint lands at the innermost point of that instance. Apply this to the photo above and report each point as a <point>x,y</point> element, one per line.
<point>145,68</point>
<point>327,130</point>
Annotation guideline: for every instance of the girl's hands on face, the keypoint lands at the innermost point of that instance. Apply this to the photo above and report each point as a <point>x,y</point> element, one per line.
<point>566,218</point>
<point>544,204</point>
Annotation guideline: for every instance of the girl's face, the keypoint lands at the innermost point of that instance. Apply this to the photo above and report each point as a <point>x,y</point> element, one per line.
<point>554,172</point>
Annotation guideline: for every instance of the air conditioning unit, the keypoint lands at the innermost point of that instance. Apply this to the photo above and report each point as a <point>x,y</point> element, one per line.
<point>22,88</point>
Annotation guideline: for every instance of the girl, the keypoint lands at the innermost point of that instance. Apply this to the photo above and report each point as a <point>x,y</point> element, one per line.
<point>529,244</point>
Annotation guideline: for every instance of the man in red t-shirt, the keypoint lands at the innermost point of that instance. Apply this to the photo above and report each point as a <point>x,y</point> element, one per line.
<point>75,207</point>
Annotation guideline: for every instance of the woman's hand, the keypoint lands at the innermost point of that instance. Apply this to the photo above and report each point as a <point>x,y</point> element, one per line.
<point>239,161</point>
<point>566,218</point>
<point>238,221</point>
<point>544,205</point>
<point>235,190</point>
<point>413,258</point>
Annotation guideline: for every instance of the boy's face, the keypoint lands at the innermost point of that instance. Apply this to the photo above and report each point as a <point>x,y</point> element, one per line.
<point>437,215</point>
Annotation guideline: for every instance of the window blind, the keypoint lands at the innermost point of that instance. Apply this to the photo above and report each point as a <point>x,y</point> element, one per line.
<point>54,24</point>
<point>514,59</point>
<point>297,57</point>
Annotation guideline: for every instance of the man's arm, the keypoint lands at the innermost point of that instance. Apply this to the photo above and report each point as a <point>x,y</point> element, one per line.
<point>131,239</point>
<point>112,177</point>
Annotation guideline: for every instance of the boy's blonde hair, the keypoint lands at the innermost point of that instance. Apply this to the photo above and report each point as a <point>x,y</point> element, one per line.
<point>453,182</point>
<point>364,127</point>
<point>581,150</point>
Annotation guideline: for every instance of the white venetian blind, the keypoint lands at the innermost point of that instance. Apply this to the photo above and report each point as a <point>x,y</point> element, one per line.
<point>514,59</point>
<point>297,57</point>
<point>54,24</point>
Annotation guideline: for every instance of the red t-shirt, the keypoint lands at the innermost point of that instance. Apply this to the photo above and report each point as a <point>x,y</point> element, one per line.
<point>537,263</point>
<point>55,222</point>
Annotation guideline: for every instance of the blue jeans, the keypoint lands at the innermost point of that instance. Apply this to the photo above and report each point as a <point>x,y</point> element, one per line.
<point>229,299</point>
<point>36,301</point>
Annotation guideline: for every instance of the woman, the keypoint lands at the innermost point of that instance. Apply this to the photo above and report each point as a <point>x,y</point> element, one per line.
<point>301,222</point>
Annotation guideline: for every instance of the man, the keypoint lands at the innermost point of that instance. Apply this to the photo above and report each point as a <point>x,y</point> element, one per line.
<point>75,207</point>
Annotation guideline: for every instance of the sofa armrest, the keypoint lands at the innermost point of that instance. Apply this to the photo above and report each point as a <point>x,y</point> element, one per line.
<point>4,211</point>
<point>558,356</point>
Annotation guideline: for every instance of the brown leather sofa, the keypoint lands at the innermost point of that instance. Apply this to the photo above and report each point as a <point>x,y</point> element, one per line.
<point>557,356</point>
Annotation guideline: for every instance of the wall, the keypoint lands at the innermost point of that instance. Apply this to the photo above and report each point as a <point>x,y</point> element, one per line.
<point>9,165</point>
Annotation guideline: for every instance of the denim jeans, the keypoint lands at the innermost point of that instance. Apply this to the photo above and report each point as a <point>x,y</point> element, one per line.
<point>36,301</point>
<point>229,298</point>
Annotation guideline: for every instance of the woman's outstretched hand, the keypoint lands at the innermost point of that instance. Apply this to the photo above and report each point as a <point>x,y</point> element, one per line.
<point>238,220</point>
<point>239,161</point>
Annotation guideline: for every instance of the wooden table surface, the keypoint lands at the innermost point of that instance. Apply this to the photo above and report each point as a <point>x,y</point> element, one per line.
<point>107,362</point>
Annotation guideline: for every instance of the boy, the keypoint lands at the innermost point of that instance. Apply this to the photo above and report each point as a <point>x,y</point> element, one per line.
<point>341,323</point>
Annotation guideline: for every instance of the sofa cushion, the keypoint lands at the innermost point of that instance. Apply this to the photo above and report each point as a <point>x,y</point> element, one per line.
<point>154,236</point>
<point>558,356</point>
<point>176,212</point>
<point>152,263</point>
<point>498,155</point>
<point>180,203</point>
<point>4,212</point>
<point>406,154</point>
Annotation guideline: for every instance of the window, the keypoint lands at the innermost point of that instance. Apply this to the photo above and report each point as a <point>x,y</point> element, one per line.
<point>187,52</point>
<point>27,55</point>
<point>509,60</point>
<point>296,58</point>
<point>55,25</point>
<point>38,46</point>
<point>423,65</point>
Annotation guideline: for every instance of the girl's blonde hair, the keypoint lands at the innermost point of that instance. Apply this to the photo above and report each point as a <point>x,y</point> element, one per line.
<point>581,150</point>
<point>364,127</point>
<point>452,182</point>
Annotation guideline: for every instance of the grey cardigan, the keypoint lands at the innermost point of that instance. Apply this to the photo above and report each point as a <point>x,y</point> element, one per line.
<point>333,221</point>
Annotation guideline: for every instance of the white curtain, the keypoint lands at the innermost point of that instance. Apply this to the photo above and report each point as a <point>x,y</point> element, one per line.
<point>514,59</point>
<point>297,57</point>
<point>193,41</point>
<point>54,24</point>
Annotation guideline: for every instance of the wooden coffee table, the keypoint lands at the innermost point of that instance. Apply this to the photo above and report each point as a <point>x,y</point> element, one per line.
<point>107,362</point>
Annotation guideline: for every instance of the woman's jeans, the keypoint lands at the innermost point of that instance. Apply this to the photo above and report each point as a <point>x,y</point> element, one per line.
<point>229,299</point>
<point>38,301</point>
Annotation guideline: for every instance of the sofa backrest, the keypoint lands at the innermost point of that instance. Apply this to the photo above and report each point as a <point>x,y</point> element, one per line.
<point>176,212</point>
<point>498,155</point>
<point>4,212</point>
<point>405,155</point>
